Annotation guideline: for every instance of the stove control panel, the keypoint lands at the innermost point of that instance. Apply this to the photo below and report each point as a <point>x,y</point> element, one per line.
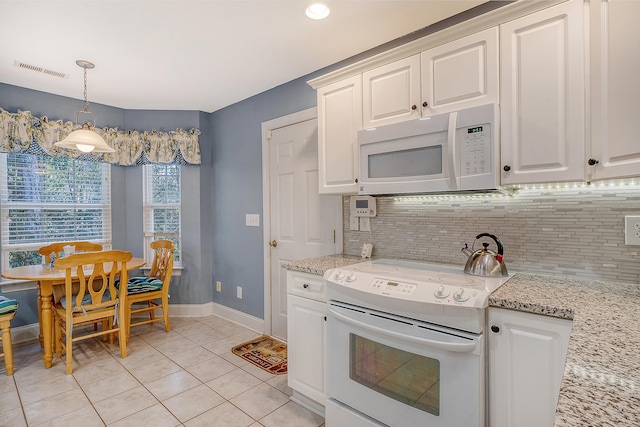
<point>387,287</point>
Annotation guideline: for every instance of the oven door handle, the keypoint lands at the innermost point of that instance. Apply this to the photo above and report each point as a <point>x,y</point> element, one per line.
<point>448,346</point>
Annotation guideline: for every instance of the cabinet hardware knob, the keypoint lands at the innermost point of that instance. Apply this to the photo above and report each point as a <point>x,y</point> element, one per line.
<point>414,107</point>
<point>305,285</point>
<point>506,168</point>
<point>495,328</point>
<point>425,104</point>
<point>273,243</point>
<point>356,180</point>
<point>325,318</point>
<point>593,162</point>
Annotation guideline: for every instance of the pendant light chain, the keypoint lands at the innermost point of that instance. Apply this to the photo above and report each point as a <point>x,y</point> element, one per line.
<point>86,102</point>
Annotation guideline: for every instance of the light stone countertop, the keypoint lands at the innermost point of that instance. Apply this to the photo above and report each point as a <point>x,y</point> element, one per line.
<point>601,382</point>
<point>321,264</point>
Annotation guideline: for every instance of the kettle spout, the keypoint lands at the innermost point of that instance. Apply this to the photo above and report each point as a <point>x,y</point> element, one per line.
<point>466,250</point>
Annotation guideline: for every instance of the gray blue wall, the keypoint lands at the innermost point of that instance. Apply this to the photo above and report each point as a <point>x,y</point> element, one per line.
<point>126,189</point>
<point>217,246</point>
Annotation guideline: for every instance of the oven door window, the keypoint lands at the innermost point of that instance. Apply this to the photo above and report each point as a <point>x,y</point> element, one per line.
<point>403,376</point>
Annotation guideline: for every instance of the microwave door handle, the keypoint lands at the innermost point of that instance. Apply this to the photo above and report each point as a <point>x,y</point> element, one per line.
<point>451,143</point>
<point>447,346</point>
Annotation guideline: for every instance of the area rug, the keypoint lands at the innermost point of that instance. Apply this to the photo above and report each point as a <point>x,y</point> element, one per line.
<point>266,353</point>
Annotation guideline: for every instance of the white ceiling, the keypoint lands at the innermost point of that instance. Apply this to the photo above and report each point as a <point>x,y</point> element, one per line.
<point>193,55</point>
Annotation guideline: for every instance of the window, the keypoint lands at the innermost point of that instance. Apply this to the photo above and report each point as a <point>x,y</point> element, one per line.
<point>162,207</point>
<point>46,199</point>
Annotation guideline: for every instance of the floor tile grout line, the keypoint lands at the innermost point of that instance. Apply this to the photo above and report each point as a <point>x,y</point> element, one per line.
<point>153,340</point>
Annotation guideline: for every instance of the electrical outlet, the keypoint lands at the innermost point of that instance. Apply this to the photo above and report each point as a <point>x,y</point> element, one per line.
<point>632,230</point>
<point>354,223</point>
<point>239,292</point>
<point>219,286</point>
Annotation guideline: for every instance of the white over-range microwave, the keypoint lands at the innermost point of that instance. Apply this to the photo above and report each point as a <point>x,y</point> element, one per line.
<point>448,152</point>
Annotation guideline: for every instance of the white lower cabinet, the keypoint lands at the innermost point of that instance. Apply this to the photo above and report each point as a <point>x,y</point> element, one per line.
<point>527,355</point>
<point>306,339</point>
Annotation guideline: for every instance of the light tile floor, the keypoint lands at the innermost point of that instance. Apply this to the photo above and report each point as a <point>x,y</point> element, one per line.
<point>187,377</point>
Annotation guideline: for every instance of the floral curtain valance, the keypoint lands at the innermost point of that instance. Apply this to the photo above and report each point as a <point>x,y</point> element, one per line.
<point>23,133</point>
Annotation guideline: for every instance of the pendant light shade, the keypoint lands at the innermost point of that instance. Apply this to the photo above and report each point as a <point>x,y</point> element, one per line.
<point>85,139</point>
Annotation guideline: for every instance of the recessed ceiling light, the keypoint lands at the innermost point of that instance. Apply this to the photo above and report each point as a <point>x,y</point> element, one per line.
<point>317,10</point>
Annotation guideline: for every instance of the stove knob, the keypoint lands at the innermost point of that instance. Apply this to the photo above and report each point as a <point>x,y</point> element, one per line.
<point>461,295</point>
<point>441,292</point>
<point>351,277</point>
<point>339,275</point>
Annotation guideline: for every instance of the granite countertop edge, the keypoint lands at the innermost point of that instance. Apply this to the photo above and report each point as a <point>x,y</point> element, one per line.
<point>602,370</point>
<point>321,264</point>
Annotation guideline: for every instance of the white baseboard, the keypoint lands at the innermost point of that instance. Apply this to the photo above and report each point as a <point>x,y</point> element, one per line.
<point>25,333</point>
<point>189,310</point>
<point>244,319</point>
<point>30,332</point>
<point>201,310</point>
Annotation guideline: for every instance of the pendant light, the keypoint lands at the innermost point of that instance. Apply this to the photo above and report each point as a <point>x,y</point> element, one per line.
<point>85,139</point>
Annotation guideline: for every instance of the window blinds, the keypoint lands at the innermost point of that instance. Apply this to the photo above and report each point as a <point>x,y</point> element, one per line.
<point>162,206</point>
<point>45,199</point>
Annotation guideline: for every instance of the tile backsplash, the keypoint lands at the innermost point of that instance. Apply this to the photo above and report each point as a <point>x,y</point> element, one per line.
<point>559,231</point>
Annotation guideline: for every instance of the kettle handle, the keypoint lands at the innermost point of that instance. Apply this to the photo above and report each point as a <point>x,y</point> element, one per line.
<point>498,242</point>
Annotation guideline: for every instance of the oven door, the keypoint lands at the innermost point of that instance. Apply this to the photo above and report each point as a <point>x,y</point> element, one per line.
<point>403,372</point>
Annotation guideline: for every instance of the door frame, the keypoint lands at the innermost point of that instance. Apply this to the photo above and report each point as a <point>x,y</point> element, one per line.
<point>267,128</point>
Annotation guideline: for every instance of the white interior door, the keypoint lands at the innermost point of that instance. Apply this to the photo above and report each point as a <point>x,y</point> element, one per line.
<point>303,224</point>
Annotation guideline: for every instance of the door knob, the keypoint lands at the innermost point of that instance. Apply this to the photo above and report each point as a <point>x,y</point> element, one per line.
<point>273,243</point>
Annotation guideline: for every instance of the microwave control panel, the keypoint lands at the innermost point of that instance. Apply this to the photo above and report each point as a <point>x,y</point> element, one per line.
<point>476,158</point>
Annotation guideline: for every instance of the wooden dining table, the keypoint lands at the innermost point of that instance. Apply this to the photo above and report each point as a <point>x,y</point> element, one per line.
<point>47,278</point>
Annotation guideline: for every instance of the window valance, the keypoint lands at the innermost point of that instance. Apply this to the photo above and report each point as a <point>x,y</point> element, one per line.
<point>21,132</point>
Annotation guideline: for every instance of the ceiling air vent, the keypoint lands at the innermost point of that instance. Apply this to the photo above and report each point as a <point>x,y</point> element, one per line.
<point>40,69</point>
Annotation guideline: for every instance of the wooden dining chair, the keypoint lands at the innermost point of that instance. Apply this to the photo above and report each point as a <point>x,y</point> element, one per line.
<point>58,248</point>
<point>95,299</point>
<point>150,289</point>
<point>8,309</point>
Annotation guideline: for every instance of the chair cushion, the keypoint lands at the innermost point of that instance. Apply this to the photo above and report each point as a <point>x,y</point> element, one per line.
<point>85,300</point>
<point>8,305</point>
<point>138,285</point>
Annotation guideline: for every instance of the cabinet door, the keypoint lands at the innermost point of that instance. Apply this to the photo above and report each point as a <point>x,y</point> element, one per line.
<point>305,347</point>
<point>460,74</point>
<point>391,93</point>
<point>526,362</point>
<point>339,120</point>
<point>542,96</point>
<point>615,68</point>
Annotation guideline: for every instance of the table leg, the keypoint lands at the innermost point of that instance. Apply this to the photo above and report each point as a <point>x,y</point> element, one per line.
<point>46,294</point>
<point>39,306</point>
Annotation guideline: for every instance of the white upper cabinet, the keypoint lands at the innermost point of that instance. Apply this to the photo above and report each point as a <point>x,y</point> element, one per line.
<point>391,93</point>
<point>615,69</point>
<point>339,120</point>
<point>455,75</point>
<point>542,96</point>
<point>460,74</point>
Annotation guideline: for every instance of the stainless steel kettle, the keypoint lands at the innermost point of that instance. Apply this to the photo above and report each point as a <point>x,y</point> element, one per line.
<point>485,262</point>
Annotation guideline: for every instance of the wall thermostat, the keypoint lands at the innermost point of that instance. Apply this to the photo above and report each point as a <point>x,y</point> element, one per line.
<point>363,206</point>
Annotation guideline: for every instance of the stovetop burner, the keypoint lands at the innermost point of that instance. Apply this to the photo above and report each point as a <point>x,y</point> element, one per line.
<point>455,280</point>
